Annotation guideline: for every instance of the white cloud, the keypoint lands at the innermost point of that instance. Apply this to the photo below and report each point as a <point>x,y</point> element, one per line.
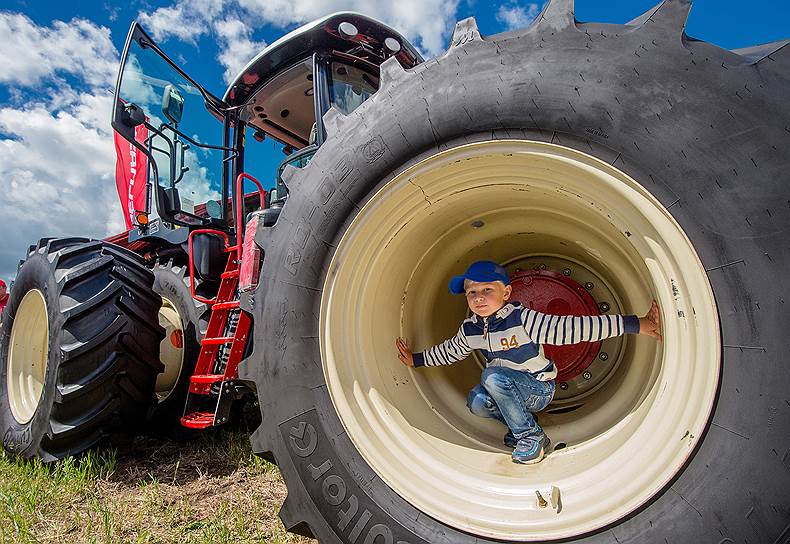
<point>237,49</point>
<point>57,162</point>
<point>30,53</point>
<point>426,22</point>
<point>183,20</point>
<point>56,175</point>
<point>515,16</point>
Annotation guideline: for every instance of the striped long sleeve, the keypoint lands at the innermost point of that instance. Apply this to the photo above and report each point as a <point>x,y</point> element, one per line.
<point>448,352</point>
<point>560,330</point>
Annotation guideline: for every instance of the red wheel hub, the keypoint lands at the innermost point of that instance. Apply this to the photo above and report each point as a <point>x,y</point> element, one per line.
<point>553,293</point>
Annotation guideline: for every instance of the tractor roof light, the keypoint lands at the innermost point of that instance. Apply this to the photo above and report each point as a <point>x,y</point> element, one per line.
<point>347,30</point>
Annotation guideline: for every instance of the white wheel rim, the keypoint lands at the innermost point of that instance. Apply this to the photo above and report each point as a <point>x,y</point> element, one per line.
<point>412,426</point>
<point>171,349</point>
<point>27,356</point>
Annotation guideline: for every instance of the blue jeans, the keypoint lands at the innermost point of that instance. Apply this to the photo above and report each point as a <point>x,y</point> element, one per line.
<point>512,397</point>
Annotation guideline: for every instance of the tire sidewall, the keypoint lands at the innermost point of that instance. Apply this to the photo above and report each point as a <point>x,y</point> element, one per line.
<point>24,438</point>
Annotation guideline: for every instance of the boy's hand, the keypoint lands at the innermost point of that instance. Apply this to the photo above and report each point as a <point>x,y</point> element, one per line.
<point>651,323</point>
<point>404,351</point>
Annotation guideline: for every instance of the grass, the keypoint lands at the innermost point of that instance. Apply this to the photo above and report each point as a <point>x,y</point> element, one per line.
<point>211,490</point>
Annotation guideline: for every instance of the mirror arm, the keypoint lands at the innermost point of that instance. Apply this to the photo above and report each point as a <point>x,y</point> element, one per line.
<point>183,169</point>
<point>193,142</point>
<point>158,132</point>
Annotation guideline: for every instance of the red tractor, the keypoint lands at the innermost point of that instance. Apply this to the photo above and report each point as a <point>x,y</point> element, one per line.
<point>603,165</point>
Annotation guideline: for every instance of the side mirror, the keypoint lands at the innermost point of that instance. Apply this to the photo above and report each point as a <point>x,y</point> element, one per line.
<point>172,103</point>
<point>214,209</point>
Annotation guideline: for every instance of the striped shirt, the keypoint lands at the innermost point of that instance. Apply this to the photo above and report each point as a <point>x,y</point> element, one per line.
<point>514,337</point>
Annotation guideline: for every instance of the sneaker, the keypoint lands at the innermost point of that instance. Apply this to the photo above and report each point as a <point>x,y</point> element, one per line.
<point>528,451</point>
<point>510,442</point>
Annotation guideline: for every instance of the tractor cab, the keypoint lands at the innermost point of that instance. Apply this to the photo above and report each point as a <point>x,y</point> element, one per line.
<point>195,188</point>
<point>188,146</point>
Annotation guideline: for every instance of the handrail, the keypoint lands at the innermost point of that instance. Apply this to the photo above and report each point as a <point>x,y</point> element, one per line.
<point>240,208</point>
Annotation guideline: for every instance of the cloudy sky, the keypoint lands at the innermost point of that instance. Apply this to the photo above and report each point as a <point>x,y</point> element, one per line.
<point>58,65</point>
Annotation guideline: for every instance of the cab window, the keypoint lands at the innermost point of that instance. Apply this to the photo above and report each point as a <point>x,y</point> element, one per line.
<point>283,108</point>
<point>350,86</point>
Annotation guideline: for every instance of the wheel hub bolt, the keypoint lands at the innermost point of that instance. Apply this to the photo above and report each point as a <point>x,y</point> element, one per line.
<point>563,386</point>
<point>589,286</point>
<point>542,503</point>
<point>566,271</point>
<point>604,306</point>
<point>586,375</point>
<point>541,266</point>
<point>603,356</point>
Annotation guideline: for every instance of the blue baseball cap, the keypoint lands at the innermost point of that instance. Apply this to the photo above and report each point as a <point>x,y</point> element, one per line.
<point>480,271</point>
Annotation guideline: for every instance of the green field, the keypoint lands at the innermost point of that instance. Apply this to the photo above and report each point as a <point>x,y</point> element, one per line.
<point>208,490</point>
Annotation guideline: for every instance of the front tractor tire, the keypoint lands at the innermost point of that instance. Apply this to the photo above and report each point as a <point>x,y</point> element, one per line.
<point>650,164</point>
<point>78,349</point>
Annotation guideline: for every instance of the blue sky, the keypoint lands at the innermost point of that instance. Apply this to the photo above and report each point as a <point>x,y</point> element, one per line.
<point>58,64</point>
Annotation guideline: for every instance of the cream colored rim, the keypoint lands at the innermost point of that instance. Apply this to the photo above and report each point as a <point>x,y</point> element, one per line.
<point>171,349</point>
<point>27,356</point>
<point>388,278</point>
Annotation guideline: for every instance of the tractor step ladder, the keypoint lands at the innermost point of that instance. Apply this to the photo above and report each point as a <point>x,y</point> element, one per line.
<point>213,384</point>
<point>211,388</point>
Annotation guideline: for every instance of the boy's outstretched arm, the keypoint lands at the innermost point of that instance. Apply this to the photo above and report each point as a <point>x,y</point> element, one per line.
<point>651,323</point>
<point>404,351</point>
<point>448,352</point>
<point>560,330</point>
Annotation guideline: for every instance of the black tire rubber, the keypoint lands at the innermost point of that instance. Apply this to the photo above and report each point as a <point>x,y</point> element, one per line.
<point>104,339</point>
<point>706,131</point>
<point>171,281</point>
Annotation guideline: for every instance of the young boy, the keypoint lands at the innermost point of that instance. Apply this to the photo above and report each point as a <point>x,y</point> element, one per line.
<point>518,380</point>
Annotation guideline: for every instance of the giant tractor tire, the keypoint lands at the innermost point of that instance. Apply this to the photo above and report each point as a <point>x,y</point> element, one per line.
<point>78,347</point>
<point>184,320</point>
<point>651,161</point>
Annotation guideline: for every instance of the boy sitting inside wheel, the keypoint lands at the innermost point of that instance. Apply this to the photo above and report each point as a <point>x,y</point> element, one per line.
<point>518,380</point>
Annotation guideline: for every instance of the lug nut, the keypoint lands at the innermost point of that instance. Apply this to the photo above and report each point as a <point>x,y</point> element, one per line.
<point>604,306</point>
<point>603,356</point>
<point>541,266</point>
<point>589,286</point>
<point>563,386</point>
<point>542,503</point>
<point>566,271</point>
<point>586,375</point>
